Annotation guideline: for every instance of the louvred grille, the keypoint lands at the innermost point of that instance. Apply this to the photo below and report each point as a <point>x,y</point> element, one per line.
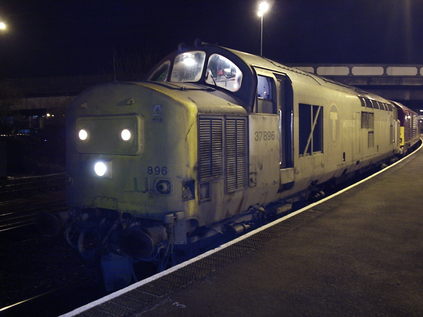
<point>210,147</point>
<point>236,154</point>
<point>214,147</point>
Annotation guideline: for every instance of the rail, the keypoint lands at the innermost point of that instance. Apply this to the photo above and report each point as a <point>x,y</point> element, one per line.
<point>27,184</point>
<point>23,198</point>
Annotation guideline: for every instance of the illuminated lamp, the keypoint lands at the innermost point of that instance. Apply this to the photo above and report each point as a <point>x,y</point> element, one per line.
<point>83,134</point>
<point>126,135</point>
<point>100,168</point>
<point>3,26</point>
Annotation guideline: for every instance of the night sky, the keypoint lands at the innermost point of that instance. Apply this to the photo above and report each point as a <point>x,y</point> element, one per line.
<point>49,38</point>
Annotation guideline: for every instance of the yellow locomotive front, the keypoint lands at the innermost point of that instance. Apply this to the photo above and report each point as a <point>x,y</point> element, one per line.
<point>129,149</point>
<point>130,157</point>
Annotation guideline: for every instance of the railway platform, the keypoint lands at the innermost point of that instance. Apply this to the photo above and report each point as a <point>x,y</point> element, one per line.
<point>357,254</point>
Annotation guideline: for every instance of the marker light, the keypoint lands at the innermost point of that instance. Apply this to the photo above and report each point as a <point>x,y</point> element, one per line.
<point>83,134</point>
<point>100,168</point>
<point>125,135</point>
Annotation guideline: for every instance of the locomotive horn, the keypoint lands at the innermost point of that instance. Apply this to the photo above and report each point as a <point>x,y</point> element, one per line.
<point>140,242</point>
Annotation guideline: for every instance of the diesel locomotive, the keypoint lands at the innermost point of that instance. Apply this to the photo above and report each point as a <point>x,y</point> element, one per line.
<point>212,143</point>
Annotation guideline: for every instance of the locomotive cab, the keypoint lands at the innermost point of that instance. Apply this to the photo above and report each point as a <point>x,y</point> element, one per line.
<point>219,69</point>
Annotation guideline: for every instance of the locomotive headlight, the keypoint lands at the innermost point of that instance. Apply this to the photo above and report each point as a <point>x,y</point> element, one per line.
<point>100,168</point>
<point>83,134</point>
<point>126,135</point>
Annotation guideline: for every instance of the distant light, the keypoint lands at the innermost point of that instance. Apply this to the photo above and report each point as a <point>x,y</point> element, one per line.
<point>48,115</point>
<point>3,26</point>
<point>421,110</point>
<point>125,135</point>
<point>100,168</point>
<point>263,7</point>
<point>83,134</point>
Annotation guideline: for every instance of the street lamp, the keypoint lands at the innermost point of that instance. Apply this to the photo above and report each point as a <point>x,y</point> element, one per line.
<point>3,26</point>
<point>263,7</point>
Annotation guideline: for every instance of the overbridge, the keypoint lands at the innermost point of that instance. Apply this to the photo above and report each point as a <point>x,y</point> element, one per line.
<point>403,83</point>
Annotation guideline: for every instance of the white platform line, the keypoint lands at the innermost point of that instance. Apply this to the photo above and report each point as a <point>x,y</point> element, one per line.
<point>224,246</point>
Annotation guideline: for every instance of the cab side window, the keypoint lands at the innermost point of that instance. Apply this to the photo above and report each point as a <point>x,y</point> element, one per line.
<point>265,95</point>
<point>161,73</point>
<point>222,72</point>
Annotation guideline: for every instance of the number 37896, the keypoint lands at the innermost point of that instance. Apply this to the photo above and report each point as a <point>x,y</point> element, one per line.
<point>264,136</point>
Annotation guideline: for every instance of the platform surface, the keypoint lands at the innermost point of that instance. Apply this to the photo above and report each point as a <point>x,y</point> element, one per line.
<point>358,254</point>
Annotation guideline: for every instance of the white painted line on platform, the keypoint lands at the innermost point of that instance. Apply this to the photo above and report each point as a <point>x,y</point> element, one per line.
<point>225,245</point>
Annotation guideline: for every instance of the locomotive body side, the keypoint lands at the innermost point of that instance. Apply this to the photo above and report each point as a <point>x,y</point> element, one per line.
<point>342,144</point>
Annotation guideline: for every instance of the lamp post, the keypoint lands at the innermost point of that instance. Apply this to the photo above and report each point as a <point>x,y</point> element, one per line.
<point>263,7</point>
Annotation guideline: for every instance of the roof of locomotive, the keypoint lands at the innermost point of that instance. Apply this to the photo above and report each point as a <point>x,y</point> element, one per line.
<point>405,109</point>
<point>251,61</point>
<point>262,62</point>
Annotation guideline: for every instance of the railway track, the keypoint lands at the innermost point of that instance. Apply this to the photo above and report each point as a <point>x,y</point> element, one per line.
<point>38,272</point>
<point>42,277</point>
<point>14,187</point>
<point>55,301</point>
<point>23,199</point>
<point>18,213</point>
<point>20,303</point>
